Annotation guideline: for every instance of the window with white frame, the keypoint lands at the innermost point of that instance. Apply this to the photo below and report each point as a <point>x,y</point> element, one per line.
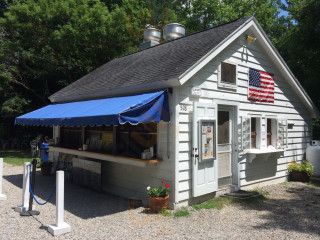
<point>255,132</point>
<point>251,132</point>
<point>277,133</point>
<point>227,76</point>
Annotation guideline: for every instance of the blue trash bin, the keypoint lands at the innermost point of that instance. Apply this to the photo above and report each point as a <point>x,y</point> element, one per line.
<point>44,152</point>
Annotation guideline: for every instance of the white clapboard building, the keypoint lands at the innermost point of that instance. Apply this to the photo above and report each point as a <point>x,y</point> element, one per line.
<point>210,113</point>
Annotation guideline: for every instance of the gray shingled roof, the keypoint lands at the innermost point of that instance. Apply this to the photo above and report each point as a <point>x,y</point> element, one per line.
<point>159,63</point>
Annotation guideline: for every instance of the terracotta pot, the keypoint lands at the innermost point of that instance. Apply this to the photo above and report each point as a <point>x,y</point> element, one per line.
<point>299,176</point>
<point>158,203</point>
<point>46,170</point>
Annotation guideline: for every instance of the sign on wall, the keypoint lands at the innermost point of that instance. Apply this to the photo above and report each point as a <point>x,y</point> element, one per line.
<point>196,92</point>
<point>207,140</point>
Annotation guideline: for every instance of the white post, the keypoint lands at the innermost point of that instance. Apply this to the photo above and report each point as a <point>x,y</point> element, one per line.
<point>60,227</point>
<point>25,189</point>
<point>2,196</point>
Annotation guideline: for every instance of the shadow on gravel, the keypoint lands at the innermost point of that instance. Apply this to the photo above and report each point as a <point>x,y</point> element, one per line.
<point>80,201</point>
<point>14,179</point>
<point>299,214</point>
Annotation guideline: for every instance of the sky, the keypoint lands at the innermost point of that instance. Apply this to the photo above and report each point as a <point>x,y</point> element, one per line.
<point>283,13</point>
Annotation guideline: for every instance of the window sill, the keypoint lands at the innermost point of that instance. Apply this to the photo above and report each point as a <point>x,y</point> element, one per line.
<point>106,157</point>
<point>229,86</point>
<point>252,153</point>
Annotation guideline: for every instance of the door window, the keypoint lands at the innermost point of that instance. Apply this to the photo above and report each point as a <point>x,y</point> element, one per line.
<point>223,127</point>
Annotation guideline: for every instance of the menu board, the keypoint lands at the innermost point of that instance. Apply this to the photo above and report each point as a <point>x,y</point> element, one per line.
<point>207,139</point>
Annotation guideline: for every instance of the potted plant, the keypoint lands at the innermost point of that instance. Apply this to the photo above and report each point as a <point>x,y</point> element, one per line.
<point>159,197</point>
<point>301,171</point>
<point>46,168</point>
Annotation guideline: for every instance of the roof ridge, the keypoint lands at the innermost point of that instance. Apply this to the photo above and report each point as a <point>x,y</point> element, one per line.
<point>185,36</point>
<point>148,69</point>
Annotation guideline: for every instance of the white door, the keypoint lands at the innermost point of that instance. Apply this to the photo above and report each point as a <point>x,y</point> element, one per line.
<point>225,145</point>
<point>204,173</point>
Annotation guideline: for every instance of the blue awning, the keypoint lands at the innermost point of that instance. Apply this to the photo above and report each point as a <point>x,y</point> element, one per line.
<point>134,109</point>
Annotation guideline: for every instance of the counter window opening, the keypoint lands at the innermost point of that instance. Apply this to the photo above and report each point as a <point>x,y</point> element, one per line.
<point>251,132</point>
<point>255,132</point>
<point>227,75</point>
<point>275,137</point>
<point>277,133</point>
<point>124,140</point>
<point>269,132</point>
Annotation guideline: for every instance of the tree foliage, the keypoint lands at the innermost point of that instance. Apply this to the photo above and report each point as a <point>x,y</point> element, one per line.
<point>300,44</point>
<point>201,14</point>
<point>45,45</point>
<point>49,44</point>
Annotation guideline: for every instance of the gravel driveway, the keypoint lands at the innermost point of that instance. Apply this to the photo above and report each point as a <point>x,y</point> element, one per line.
<point>292,211</point>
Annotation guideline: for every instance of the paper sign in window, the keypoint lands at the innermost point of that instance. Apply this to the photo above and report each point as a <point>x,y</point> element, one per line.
<point>207,139</point>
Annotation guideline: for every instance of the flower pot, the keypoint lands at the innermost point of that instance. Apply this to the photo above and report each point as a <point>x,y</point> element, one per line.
<point>46,170</point>
<point>158,203</point>
<point>299,176</point>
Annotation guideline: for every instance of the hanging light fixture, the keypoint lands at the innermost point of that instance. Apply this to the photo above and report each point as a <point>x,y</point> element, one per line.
<point>250,39</point>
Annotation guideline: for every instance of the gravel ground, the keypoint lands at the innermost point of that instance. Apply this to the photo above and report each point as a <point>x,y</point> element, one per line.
<point>292,211</point>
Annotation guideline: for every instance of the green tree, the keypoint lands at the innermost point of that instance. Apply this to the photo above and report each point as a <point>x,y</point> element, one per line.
<point>49,44</point>
<point>300,44</point>
<point>161,12</point>
<point>201,14</point>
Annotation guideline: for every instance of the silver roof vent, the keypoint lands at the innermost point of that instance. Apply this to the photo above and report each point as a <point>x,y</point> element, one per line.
<point>151,38</point>
<point>151,34</point>
<point>173,31</point>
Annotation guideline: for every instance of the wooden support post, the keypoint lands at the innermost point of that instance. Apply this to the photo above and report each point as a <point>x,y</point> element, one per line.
<point>114,140</point>
<point>2,196</point>
<point>60,227</point>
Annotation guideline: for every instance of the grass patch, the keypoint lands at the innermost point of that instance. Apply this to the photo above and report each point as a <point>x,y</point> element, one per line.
<point>182,212</point>
<point>220,202</point>
<point>286,183</point>
<point>215,203</point>
<point>16,157</point>
<point>254,200</point>
<point>262,192</point>
<point>166,213</point>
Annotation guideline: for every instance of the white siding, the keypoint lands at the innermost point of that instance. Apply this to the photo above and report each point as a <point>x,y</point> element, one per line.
<point>286,105</point>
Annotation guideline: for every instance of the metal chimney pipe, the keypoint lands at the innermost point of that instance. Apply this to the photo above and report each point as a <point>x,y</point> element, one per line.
<point>173,31</point>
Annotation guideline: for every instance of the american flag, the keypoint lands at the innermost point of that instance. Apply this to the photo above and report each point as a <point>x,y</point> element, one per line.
<point>261,86</point>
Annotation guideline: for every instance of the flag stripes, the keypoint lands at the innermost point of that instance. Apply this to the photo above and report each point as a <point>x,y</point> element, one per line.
<point>261,86</point>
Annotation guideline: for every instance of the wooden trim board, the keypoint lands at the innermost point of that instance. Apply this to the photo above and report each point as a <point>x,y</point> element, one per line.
<point>106,157</point>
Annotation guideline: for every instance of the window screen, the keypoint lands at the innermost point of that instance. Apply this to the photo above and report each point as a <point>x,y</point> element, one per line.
<point>223,127</point>
<point>269,132</point>
<point>228,73</point>
<point>70,137</point>
<point>253,133</point>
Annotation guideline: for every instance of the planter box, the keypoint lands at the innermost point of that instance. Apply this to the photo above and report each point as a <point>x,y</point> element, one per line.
<point>299,176</point>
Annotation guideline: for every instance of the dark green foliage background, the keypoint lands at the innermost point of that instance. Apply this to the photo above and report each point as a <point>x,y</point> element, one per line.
<point>47,44</point>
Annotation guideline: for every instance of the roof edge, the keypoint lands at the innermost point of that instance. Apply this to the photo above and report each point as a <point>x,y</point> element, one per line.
<point>213,53</point>
<point>141,88</point>
<point>301,91</point>
<point>252,21</point>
